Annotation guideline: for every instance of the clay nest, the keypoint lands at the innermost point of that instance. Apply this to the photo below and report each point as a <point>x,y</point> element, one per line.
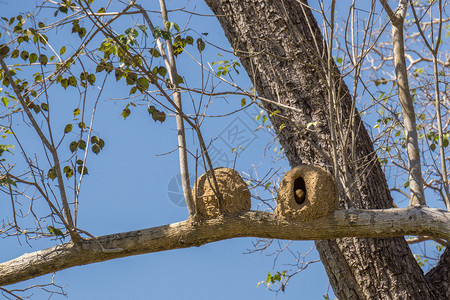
<point>306,193</point>
<point>234,191</point>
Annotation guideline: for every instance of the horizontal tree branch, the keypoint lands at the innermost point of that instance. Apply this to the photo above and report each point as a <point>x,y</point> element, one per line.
<point>343,223</point>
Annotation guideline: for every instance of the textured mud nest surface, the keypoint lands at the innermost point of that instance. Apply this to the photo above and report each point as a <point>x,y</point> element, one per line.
<point>234,191</point>
<point>306,193</point>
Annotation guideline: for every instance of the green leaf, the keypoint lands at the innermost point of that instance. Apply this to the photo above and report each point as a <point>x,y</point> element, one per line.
<point>76,112</point>
<point>44,106</point>
<point>162,71</point>
<point>6,148</point>
<point>133,90</point>
<point>118,74</point>
<point>175,25</point>
<point>151,109</point>
<point>381,81</point>
<point>83,75</point>
<point>5,101</point>
<point>33,58</point>
<point>73,146</point>
<point>51,173</point>
<point>101,143</point>
<point>68,171</point>
<point>82,170</point>
<point>142,84</point>
<point>29,32</point>
<point>433,147</point>
<point>161,116</point>
<point>72,81</point>
<point>62,50</point>
<point>63,9</point>
<point>91,79</point>
<point>7,181</point>
<point>24,55</point>
<point>131,78</point>
<point>15,53</point>
<point>275,112</point>
<point>243,101</point>
<point>100,67</point>
<point>82,144</point>
<point>68,128</point>
<point>200,45</point>
<point>143,28</point>
<point>79,162</point>
<point>43,59</point>
<point>189,40</point>
<point>94,139</point>
<point>101,10</point>
<point>445,140</point>
<point>81,125</point>
<point>132,32</point>
<point>41,25</point>
<point>82,32</point>
<point>154,52</point>
<point>4,50</point>
<point>125,113</point>
<point>161,33</point>
<point>96,148</point>
<point>269,278</point>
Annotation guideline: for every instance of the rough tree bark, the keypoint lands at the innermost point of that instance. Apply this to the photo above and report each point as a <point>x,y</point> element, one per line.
<point>279,43</point>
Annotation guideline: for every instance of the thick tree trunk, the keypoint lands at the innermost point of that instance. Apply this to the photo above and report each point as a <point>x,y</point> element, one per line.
<point>280,46</point>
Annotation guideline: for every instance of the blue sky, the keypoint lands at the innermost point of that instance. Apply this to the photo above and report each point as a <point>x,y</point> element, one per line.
<point>128,188</point>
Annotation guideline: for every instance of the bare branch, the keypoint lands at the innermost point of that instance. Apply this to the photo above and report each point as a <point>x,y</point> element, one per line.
<point>67,214</point>
<point>423,238</point>
<point>343,223</point>
<point>169,60</point>
<point>406,102</point>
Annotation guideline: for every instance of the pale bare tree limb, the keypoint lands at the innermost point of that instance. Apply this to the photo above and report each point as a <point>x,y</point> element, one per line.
<point>434,52</point>
<point>409,117</point>
<point>342,223</point>
<point>423,238</point>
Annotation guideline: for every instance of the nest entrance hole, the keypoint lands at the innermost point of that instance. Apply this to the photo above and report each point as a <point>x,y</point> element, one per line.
<point>299,190</point>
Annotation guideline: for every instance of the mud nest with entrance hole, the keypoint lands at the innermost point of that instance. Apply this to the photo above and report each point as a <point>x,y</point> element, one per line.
<point>306,193</point>
<point>234,191</point>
